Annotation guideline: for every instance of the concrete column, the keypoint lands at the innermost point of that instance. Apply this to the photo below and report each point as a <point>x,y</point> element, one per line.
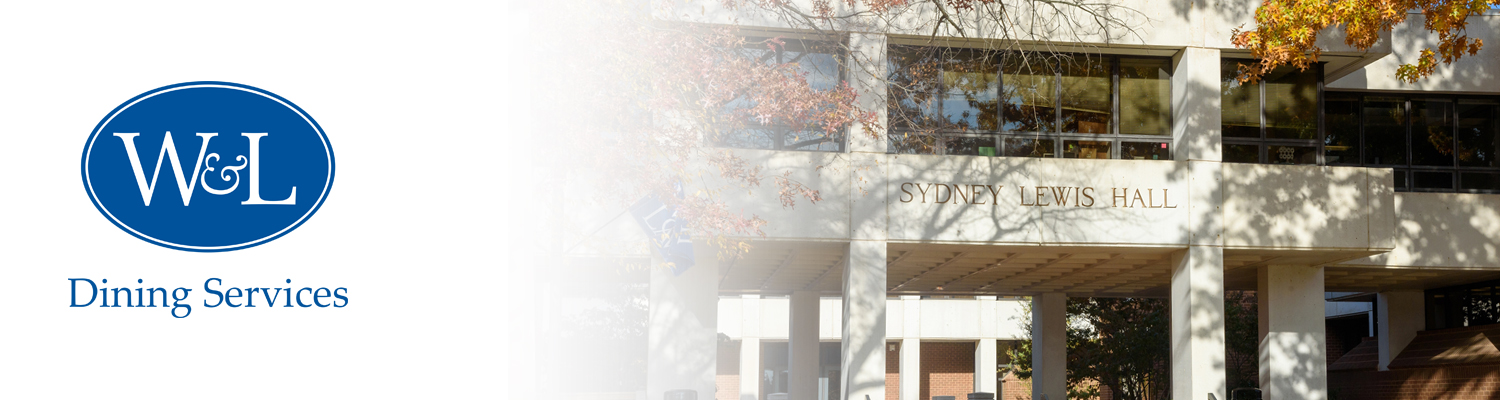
<point>1197,302</point>
<point>1293,341</point>
<point>682,335</point>
<point>802,347</point>
<point>1197,289</point>
<point>868,80</point>
<point>1049,346</point>
<point>986,377</point>
<point>911,347</point>
<point>985,359</point>
<point>1197,131</point>
<point>1401,315</point>
<point>911,368</point>
<point>750,370</point>
<point>862,361</point>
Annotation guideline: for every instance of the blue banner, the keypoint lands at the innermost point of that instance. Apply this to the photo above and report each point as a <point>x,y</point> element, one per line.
<point>668,234</point>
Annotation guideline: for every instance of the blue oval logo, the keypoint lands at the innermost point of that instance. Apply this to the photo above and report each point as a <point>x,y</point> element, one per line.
<point>208,166</point>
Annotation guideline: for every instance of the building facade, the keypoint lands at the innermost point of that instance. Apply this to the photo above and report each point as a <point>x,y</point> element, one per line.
<point>1134,167</point>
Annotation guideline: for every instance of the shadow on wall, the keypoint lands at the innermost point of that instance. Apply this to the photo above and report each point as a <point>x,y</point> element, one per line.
<point>1298,363</point>
<point>1443,230</point>
<point>1286,206</point>
<point>1475,73</point>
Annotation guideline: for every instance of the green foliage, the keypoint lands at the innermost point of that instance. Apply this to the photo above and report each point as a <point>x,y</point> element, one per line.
<point>1125,343</point>
<point>1241,340</point>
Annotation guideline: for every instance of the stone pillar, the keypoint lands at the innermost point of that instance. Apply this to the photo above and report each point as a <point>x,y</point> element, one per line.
<point>1197,289</point>
<point>1197,303</point>
<point>985,359</point>
<point>1049,346</point>
<point>867,53</point>
<point>1197,130</point>
<point>911,347</point>
<point>911,368</point>
<point>862,361</point>
<point>986,376</point>
<point>1401,315</point>
<point>802,347</point>
<point>682,331</point>
<point>750,370</point>
<point>1293,341</point>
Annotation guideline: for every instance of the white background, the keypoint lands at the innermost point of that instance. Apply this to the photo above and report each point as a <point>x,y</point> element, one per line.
<point>417,101</point>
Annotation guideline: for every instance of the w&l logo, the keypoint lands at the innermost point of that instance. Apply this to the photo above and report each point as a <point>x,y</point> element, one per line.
<point>208,166</point>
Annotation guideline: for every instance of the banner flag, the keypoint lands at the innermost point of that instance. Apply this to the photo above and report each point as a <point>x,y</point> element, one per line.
<point>668,234</point>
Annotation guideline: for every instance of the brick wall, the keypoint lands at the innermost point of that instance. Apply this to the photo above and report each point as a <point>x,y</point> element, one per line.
<point>727,373</point>
<point>1467,382</point>
<point>947,369</point>
<point>1013,388</point>
<point>1344,333</point>
<point>892,371</point>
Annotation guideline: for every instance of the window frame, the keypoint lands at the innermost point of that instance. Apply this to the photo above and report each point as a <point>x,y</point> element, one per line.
<point>1262,143</point>
<point>1405,173</point>
<point>943,137</point>
<point>779,132</point>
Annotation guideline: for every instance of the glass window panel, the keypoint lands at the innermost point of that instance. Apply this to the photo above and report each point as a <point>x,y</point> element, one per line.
<point>970,91</point>
<point>1145,151</point>
<point>914,82</point>
<point>1145,97</point>
<point>1087,94</point>
<point>1029,93</point>
<point>1241,103</point>
<point>1479,181</point>
<point>817,61</point>
<point>1292,154</point>
<point>1292,103</point>
<point>1241,153</point>
<point>1086,149</point>
<point>812,141</point>
<point>1025,147</point>
<point>750,139</point>
<point>1385,131</point>
<point>1478,125</point>
<point>969,146</point>
<point>1432,180</point>
<point>1341,140</point>
<point>1431,132</point>
<point>1400,180</point>
<point>911,143</point>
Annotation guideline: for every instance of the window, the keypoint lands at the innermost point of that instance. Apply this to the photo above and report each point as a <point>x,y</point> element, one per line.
<point>818,62</point>
<point>1028,104</point>
<point>1434,143</point>
<point>1274,121</point>
<point>1464,305</point>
